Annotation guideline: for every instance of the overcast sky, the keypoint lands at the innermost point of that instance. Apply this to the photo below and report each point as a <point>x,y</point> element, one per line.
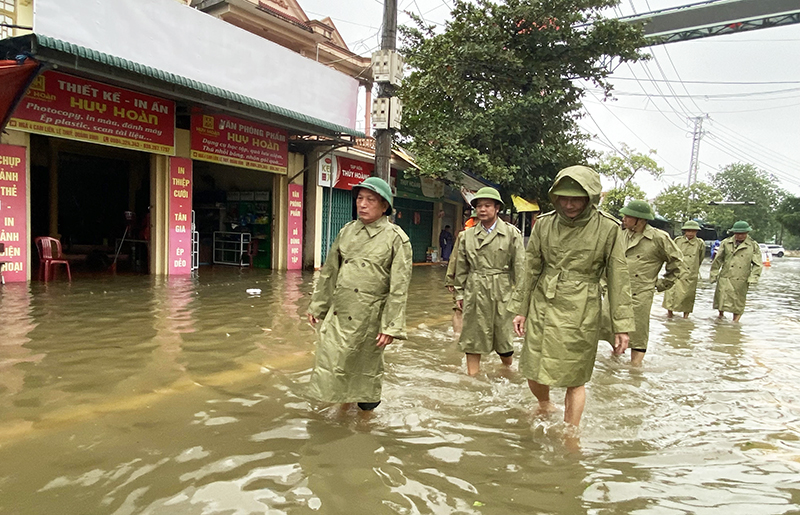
<point>745,86</point>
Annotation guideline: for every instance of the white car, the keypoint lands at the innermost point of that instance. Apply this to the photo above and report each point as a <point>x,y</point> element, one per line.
<point>776,250</point>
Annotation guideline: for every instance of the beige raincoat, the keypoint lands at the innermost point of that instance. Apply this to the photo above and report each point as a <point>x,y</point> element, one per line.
<point>361,292</point>
<point>735,268</point>
<point>560,292</point>
<point>487,268</point>
<point>646,253</point>
<point>450,275</point>
<point>681,296</point>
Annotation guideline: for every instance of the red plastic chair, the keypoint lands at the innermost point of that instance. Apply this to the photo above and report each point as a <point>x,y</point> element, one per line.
<point>50,255</point>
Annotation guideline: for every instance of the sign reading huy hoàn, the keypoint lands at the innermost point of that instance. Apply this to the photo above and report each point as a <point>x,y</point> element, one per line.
<point>237,142</point>
<point>13,213</point>
<point>70,107</point>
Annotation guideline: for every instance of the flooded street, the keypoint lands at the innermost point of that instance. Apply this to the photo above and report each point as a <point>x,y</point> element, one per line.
<point>133,395</point>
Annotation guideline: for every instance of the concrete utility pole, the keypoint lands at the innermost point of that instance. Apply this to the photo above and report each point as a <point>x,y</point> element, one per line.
<point>695,161</point>
<point>383,137</point>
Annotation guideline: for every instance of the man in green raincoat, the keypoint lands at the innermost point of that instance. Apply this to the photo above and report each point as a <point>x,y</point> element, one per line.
<point>681,296</point>
<point>647,250</point>
<point>736,267</point>
<point>360,297</point>
<point>490,260</point>
<point>558,303</point>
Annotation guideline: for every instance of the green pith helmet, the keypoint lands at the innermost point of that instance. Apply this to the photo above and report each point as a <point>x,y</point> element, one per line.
<point>487,192</point>
<point>380,187</point>
<point>741,226</point>
<point>691,225</point>
<point>568,187</point>
<point>638,209</point>
<point>473,214</point>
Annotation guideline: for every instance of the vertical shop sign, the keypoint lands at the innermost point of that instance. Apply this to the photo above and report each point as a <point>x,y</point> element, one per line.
<point>180,216</point>
<point>13,213</point>
<point>295,227</point>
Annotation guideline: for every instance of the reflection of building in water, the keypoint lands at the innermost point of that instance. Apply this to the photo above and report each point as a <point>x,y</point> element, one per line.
<point>18,322</point>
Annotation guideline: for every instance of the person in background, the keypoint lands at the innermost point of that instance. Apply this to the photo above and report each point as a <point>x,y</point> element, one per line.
<point>647,250</point>
<point>558,303</point>
<point>446,242</point>
<point>736,268</point>
<point>714,249</point>
<point>682,294</point>
<point>360,297</point>
<point>490,260</point>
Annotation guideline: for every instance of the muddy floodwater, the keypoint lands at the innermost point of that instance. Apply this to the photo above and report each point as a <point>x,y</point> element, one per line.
<point>131,395</point>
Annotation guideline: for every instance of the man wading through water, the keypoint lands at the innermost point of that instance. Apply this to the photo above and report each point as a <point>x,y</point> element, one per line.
<point>682,294</point>
<point>736,267</point>
<point>647,249</point>
<point>489,261</point>
<point>360,297</point>
<point>558,302</point>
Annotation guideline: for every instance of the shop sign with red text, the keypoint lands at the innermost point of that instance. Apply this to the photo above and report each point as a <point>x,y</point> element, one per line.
<point>13,213</point>
<point>351,172</point>
<point>295,227</point>
<point>180,216</point>
<point>70,107</point>
<point>237,142</point>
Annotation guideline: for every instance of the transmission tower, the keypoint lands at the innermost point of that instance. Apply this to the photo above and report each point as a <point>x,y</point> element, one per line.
<point>695,161</point>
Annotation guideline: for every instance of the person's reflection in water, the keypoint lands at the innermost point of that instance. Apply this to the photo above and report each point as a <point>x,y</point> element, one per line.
<point>342,467</point>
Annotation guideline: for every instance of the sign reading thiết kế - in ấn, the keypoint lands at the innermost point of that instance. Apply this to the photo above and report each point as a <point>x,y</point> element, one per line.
<point>70,107</point>
<point>233,141</point>
<point>180,216</point>
<point>13,213</point>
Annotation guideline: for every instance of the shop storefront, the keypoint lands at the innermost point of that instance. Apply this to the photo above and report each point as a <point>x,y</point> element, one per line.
<point>235,165</point>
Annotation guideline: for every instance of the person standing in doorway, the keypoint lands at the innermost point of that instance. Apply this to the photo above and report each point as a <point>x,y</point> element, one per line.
<point>558,303</point>
<point>490,260</point>
<point>736,268</point>
<point>360,297</point>
<point>648,249</point>
<point>446,243</point>
<point>682,294</point>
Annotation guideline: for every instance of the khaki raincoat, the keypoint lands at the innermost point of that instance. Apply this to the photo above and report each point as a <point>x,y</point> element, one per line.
<point>735,268</point>
<point>488,265</point>
<point>681,296</point>
<point>560,292</point>
<point>450,275</point>
<point>647,252</point>
<point>361,292</point>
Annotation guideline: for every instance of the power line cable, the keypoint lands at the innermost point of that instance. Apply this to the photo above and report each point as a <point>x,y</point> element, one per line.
<point>757,147</point>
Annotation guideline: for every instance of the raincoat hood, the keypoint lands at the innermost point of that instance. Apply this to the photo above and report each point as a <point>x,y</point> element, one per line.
<point>589,181</point>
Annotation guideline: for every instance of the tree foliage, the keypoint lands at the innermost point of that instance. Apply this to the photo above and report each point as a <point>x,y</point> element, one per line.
<point>671,203</point>
<point>495,93</point>
<point>742,182</point>
<point>622,170</point>
<point>788,215</point>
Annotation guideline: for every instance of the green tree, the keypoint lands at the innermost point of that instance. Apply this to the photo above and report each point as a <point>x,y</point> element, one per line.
<point>671,204</point>
<point>497,92</point>
<point>622,170</point>
<point>742,182</point>
<point>788,215</point>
